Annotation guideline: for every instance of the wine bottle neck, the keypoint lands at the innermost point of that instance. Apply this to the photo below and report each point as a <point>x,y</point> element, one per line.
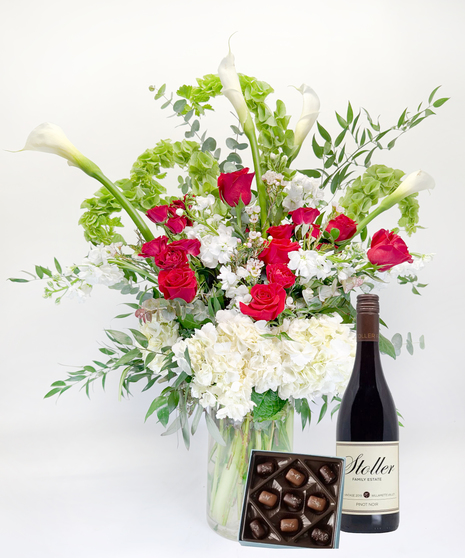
<point>367,361</point>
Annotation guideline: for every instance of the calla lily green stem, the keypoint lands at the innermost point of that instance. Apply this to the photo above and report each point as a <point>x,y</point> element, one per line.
<point>93,171</point>
<point>249,131</point>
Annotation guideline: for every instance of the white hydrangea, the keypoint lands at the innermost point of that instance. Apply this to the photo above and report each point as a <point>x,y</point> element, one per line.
<point>231,359</point>
<point>214,249</point>
<point>302,191</point>
<point>100,254</point>
<point>105,274</point>
<point>203,202</point>
<point>308,264</point>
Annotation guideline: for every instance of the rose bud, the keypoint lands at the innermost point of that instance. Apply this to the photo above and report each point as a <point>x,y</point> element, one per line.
<point>268,301</point>
<point>281,231</point>
<point>152,248</point>
<point>277,251</point>
<point>236,185</point>
<point>158,214</point>
<point>171,257</point>
<point>280,274</point>
<point>176,224</point>
<point>179,282</point>
<point>304,215</point>
<point>388,249</point>
<point>191,246</point>
<point>346,227</point>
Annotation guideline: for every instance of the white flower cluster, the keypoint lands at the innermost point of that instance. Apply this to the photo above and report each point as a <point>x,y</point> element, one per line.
<point>161,332</point>
<point>214,248</point>
<point>229,284</point>
<point>232,358</point>
<point>203,203</point>
<point>302,191</point>
<point>95,269</point>
<point>274,178</point>
<point>310,264</point>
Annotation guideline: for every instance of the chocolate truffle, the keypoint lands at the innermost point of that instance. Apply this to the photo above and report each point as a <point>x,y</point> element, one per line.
<point>289,525</point>
<point>317,503</point>
<point>327,474</point>
<point>292,500</point>
<point>267,499</point>
<point>265,469</point>
<point>295,477</point>
<point>320,536</point>
<point>258,529</point>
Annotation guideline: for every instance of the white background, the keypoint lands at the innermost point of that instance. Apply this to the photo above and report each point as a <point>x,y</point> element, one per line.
<point>82,478</point>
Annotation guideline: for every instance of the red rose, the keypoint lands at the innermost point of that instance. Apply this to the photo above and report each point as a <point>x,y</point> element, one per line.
<point>282,231</point>
<point>158,214</point>
<point>347,228</point>
<point>179,282</point>
<point>171,257</point>
<point>278,250</point>
<point>304,215</point>
<point>176,224</point>
<point>280,274</point>
<point>191,246</point>
<point>268,301</point>
<point>388,249</point>
<point>152,248</point>
<point>316,230</point>
<point>236,185</point>
<point>176,204</point>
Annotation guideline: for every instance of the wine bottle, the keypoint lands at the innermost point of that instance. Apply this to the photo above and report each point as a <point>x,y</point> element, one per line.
<point>368,434</point>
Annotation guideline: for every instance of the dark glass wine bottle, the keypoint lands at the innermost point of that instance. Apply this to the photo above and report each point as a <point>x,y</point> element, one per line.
<point>368,434</point>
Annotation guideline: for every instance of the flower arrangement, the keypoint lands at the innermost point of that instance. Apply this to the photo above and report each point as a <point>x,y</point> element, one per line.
<point>242,283</point>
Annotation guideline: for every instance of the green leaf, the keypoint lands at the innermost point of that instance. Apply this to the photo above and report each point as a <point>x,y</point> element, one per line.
<point>209,145</point>
<point>409,344</point>
<point>39,272</point>
<point>140,338</point>
<point>324,408</point>
<point>350,114</point>
<point>149,359</point>
<point>341,121</point>
<point>60,383</point>
<point>231,143</point>
<point>161,91</point>
<point>433,93</point>
<point>179,105</point>
<point>128,357</point>
<point>267,405</point>
<point>106,351</point>
<point>422,342</point>
<point>335,409</point>
<point>163,415</point>
<point>174,427</point>
<point>397,343</point>
<point>58,266</point>
<point>440,102</point>
<point>311,173</point>
<point>196,420</point>
<point>17,280</point>
<point>118,337</point>
<point>340,137</point>
<point>402,118</point>
<point>52,392</point>
<point>123,316</point>
<point>213,430</point>
<point>324,133</point>
<point>386,347</point>
<point>317,149</point>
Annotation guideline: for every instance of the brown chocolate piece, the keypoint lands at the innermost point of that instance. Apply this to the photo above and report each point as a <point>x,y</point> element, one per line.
<point>320,536</point>
<point>268,499</point>
<point>265,469</point>
<point>295,477</point>
<point>258,529</point>
<point>316,503</point>
<point>327,474</point>
<point>289,525</point>
<point>292,500</point>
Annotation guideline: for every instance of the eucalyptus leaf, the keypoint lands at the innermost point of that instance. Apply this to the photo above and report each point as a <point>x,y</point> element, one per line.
<point>213,430</point>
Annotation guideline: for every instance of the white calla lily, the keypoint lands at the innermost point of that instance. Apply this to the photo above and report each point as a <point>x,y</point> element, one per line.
<point>232,87</point>
<point>413,183</point>
<point>310,112</point>
<point>50,138</point>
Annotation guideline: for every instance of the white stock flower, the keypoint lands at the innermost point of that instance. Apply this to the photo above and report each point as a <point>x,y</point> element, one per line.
<point>302,191</point>
<point>232,87</point>
<point>160,332</point>
<point>100,254</point>
<point>326,291</point>
<point>308,264</point>
<point>227,277</point>
<point>214,249</point>
<point>310,111</point>
<point>203,202</point>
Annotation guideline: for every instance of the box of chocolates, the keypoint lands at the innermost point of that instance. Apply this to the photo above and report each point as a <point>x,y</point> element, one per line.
<point>292,500</point>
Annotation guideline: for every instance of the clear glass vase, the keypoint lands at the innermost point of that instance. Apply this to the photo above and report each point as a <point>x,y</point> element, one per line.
<point>227,465</point>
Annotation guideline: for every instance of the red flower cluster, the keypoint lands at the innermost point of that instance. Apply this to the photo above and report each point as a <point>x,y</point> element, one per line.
<point>176,279</point>
<point>166,215</point>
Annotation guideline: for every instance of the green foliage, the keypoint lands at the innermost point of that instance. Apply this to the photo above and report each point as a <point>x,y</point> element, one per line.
<point>268,405</point>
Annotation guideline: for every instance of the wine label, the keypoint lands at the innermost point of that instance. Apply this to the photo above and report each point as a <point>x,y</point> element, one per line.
<point>371,484</point>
